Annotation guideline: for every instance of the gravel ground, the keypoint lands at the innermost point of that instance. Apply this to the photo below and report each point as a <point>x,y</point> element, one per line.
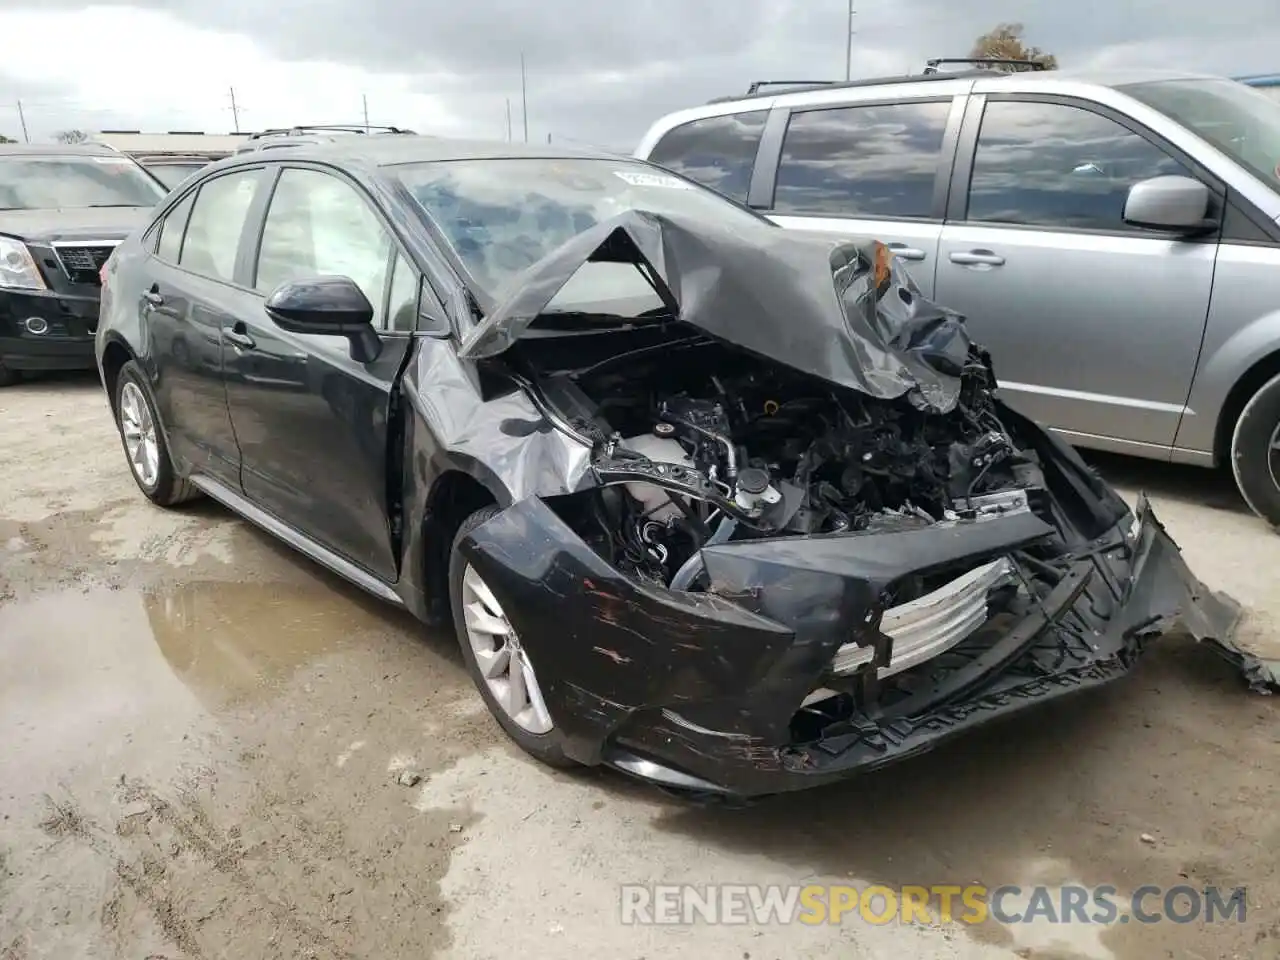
<point>206,736</point>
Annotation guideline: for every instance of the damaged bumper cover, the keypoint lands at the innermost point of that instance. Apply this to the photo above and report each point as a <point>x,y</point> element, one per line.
<point>702,691</point>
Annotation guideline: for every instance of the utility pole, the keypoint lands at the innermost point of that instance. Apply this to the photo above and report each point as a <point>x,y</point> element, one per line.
<point>22,119</point>
<point>235,110</point>
<point>524,98</point>
<point>508,119</point>
<point>848,45</point>
<point>364,100</point>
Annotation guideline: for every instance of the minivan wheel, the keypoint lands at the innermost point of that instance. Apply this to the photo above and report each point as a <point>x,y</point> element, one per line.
<point>143,441</point>
<point>499,666</point>
<point>7,377</point>
<point>1255,452</point>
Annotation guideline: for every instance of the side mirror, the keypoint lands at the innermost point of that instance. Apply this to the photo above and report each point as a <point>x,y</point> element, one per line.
<point>327,306</point>
<point>1177,204</point>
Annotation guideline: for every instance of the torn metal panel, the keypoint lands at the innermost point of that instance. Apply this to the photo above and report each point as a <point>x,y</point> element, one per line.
<point>508,443</point>
<point>846,312</point>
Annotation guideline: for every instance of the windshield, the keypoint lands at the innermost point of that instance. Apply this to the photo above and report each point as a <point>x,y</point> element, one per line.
<point>1241,121</point>
<point>46,183</point>
<point>172,174</point>
<point>502,216</point>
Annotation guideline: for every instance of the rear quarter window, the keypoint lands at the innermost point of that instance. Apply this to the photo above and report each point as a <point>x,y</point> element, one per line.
<point>717,152</point>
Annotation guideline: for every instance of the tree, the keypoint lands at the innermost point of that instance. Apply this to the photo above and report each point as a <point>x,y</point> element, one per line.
<point>71,136</point>
<point>4,139</point>
<point>1005,43</point>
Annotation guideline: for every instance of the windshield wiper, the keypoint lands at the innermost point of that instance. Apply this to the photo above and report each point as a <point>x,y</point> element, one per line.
<point>97,205</point>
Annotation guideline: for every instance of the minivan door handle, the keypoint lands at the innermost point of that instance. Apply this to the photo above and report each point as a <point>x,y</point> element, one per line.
<point>905,252</point>
<point>153,296</point>
<point>973,258</point>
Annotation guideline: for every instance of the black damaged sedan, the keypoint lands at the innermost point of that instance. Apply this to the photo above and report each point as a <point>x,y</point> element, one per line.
<point>727,507</point>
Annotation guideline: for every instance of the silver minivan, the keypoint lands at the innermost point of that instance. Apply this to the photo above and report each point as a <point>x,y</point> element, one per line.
<point>1113,239</point>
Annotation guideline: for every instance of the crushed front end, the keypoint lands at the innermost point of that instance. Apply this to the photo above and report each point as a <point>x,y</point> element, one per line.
<point>780,570</point>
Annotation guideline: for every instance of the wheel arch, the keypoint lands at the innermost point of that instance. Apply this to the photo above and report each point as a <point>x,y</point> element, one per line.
<point>1239,395</point>
<point>114,356</point>
<point>455,495</point>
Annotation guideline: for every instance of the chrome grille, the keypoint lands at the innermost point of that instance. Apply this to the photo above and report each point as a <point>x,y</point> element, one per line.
<point>82,261</point>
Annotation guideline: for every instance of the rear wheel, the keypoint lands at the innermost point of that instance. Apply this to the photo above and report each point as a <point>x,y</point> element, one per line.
<point>1255,452</point>
<point>7,377</point>
<point>500,667</point>
<point>144,443</point>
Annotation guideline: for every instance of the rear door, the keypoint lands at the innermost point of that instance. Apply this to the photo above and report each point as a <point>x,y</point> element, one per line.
<point>191,293</point>
<point>313,423</point>
<point>869,168</point>
<point>1094,326</point>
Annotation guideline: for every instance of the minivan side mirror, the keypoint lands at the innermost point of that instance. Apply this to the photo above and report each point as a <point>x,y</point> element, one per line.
<point>1177,204</point>
<point>327,306</point>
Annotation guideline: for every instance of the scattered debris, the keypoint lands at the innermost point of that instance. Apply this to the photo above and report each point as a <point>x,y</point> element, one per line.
<point>1147,838</point>
<point>408,778</point>
<point>455,828</point>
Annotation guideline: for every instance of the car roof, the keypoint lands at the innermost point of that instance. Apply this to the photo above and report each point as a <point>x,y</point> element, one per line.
<point>390,150</point>
<point>57,150</point>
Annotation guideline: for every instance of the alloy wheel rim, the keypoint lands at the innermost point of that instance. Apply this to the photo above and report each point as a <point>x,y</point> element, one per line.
<point>138,428</point>
<point>502,661</point>
<point>1273,455</point>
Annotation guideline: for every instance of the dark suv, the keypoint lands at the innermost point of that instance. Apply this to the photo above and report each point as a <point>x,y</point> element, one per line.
<point>63,209</point>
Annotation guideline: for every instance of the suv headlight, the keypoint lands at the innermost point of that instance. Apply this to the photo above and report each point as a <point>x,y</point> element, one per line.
<point>18,271</point>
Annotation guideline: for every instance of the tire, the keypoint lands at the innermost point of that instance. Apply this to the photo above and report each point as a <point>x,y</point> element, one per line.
<point>8,377</point>
<point>1255,452</point>
<point>135,408</point>
<point>544,746</point>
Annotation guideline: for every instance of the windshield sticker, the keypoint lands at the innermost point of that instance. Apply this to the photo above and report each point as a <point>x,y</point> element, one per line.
<point>640,179</point>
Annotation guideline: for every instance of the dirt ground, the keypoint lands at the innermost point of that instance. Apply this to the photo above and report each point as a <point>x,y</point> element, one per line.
<point>204,736</point>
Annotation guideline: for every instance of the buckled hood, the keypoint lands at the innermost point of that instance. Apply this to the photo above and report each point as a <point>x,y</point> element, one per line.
<point>841,310</point>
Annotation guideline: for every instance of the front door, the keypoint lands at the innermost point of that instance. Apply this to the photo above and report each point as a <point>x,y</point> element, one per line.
<point>873,170</point>
<point>1094,326</point>
<point>313,423</point>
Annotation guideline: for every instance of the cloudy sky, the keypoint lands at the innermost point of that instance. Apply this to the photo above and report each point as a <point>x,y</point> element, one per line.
<point>598,71</point>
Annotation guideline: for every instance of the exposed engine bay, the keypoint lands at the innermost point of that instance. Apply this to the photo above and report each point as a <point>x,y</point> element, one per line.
<point>699,443</point>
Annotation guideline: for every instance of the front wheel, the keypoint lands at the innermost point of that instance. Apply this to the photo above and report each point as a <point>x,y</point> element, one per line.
<point>499,665</point>
<point>144,443</point>
<point>1255,452</point>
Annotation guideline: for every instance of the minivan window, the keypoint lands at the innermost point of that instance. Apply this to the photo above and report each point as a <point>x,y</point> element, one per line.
<point>718,152</point>
<point>873,161</point>
<point>1054,165</point>
<point>1241,121</point>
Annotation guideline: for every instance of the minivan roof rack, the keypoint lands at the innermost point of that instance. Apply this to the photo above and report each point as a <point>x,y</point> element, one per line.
<point>931,66</point>
<point>325,128</point>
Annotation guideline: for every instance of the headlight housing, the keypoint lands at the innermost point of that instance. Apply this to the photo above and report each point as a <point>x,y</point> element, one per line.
<point>18,270</point>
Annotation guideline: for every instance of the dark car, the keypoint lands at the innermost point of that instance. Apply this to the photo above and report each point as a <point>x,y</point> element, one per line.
<point>63,209</point>
<point>728,507</point>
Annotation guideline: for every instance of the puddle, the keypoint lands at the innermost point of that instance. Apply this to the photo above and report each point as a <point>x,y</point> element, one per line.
<point>88,675</point>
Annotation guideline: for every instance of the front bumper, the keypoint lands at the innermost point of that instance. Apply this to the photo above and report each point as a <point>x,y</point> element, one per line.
<point>70,323</point>
<point>701,691</point>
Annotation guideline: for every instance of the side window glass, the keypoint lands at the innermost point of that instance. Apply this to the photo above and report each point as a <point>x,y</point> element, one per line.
<point>169,243</point>
<point>318,225</point>
<point>1054,165</point>
<point>718,152</point>
<point>872,161</point>
<point>402,304</point>
<point>215,225</point>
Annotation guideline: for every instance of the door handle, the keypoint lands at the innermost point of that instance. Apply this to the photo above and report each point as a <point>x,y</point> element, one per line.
<point>978,257</point>
<point>153,297</point>
<point>905,252</point>
<point>239,336</point>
